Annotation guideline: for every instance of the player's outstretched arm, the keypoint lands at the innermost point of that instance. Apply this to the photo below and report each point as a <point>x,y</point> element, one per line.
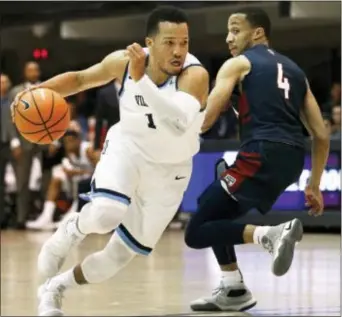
<point>312,119</point>
<point>70,83</point>
<point>230,74</point>
<point>180,109</point>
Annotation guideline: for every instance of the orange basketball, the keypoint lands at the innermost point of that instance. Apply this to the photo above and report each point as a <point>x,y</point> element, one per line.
<point>42,116</point>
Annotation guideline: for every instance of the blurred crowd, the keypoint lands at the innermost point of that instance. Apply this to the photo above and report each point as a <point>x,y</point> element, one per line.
<point>39,185</point>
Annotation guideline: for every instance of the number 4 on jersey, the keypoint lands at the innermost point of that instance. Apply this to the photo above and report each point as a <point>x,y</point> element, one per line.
<point>283,83</point>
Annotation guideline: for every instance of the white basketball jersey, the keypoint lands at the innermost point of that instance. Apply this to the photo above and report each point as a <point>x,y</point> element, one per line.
<point>141,127</point>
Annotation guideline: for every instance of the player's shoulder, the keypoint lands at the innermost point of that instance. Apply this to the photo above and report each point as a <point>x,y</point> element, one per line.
<point>191,60</point>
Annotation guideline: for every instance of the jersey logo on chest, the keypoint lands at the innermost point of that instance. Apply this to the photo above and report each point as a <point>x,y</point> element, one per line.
<point>140,101</point>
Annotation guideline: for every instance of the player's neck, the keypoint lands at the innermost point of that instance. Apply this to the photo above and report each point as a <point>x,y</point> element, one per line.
<point>261,42</point>
<point>156,75</point>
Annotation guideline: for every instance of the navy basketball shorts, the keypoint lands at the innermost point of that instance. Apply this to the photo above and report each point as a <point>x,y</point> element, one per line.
<point>261,173</point>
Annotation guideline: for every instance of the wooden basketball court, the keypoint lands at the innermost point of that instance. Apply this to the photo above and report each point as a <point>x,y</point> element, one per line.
<point>165,282</point>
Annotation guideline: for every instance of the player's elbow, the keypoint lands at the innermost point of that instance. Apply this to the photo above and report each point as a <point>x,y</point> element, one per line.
<point>321,135</point>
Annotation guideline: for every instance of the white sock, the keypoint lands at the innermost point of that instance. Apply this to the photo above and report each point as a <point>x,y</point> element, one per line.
<point>259,232</point>
<point>63,281</point>
<point>48,210</point>
<point>231,277</point>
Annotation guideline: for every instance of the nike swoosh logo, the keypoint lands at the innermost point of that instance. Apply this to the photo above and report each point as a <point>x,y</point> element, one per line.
<point>179,177</point>
<point>26,104</point>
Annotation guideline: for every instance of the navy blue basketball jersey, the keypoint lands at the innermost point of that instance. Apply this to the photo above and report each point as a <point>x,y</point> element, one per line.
<point>271,96</point>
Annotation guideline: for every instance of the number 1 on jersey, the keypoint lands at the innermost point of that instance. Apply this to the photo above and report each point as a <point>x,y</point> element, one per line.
<point>150,123</point>
<point>283,83</point>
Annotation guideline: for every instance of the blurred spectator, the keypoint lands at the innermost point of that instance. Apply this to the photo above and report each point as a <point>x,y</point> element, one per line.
<point>77,165</point>
<point>75,115</point>
<point>8,138</point>
<point>107,111</point>
<point>26,150</point>
<point>336,120</point>
<point>328,123</point>
<point>334,98</point>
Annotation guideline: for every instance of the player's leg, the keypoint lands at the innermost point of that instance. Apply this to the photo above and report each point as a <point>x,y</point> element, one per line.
<point>95,268</point>
<point>45,219</point>
<point>150,212</point>
<point>218,207</point>
<point>225,255</point>
<point>113,183</point>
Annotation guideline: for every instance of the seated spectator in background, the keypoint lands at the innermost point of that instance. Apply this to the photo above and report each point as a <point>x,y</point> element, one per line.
<point>328,122</point>
<point>334,98</point>
<point>77,165</point>
<point>336,120</point>
<point>79,118</point>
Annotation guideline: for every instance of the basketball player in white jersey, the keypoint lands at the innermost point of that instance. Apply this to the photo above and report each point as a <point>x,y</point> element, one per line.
<point>146,161</point>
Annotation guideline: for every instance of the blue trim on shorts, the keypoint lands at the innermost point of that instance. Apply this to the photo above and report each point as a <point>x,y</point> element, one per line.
<point>108,193</point>
<point>116,197</point>
<point>132,242</point>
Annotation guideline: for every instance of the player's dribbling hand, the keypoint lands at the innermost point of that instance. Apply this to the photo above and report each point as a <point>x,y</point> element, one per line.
<point>314,200</point>
<point>17,98</point>
<point>137,60</point>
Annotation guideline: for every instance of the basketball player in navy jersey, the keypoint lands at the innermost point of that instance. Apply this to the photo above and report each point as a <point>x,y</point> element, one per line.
<point>275,100</point>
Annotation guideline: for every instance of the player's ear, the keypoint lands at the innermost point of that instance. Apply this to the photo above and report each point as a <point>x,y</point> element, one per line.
<point>148,41</point>
<point>258,33</point>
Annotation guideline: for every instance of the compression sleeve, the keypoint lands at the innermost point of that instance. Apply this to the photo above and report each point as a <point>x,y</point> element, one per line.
<point>180,109</point>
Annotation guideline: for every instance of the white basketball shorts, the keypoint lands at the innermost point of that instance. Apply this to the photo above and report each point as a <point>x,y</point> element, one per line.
<point>153,192</point>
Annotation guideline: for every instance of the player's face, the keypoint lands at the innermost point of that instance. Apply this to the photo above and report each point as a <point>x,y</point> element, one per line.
<point>240,34</point>
<point>169,47</point>
<point>72,143</point>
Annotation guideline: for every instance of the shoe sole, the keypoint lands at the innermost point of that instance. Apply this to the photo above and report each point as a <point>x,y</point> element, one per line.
<point>282,262</point>
<point>212,307</point>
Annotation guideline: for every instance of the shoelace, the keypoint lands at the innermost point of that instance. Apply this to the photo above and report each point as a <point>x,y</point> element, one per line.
<point>268,245</point>
<point>218,288</point>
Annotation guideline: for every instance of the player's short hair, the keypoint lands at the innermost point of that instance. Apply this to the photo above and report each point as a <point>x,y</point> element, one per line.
<point>257,18</point>
<point>164,14</point>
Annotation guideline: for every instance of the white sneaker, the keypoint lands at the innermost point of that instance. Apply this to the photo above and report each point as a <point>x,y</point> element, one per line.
<point>50,300</point>
<point>231,298</point>
<point>280,241</point>
<point>40,224</point>
<point>57,247</point>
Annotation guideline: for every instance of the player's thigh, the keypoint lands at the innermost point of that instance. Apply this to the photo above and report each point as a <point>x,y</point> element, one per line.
<point>116,173</point>
<point>157,200</point>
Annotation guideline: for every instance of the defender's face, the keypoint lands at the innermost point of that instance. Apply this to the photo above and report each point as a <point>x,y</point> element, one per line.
<point>240,34</point>
<point>170,46</point>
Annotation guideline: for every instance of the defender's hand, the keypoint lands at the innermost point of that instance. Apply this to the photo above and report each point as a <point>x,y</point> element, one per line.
<point>314,200</point>
<point>137,60</point>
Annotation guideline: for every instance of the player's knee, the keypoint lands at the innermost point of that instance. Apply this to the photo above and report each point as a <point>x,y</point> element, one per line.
<point>109,213</point>
<point>191,237</point>
<point>103,265</point>
<point>102,216</point>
